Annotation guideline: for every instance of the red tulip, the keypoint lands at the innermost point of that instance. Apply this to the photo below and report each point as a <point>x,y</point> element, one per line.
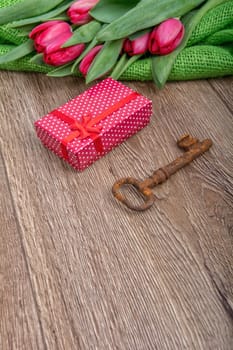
<point>50,36</point>
<point>79,11</point>
<point>166,37</point>
<point>137,46</point>
<point>88,59</point>
<point>63,56</point>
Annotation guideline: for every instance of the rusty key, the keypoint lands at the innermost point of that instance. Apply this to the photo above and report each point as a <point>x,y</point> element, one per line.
<point>193,148</point>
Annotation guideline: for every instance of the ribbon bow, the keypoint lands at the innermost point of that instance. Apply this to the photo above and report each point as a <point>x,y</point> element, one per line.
<point>85,127</point>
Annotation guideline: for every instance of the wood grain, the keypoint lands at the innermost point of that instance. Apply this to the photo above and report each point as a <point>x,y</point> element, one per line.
<point>20,324</point>
<point>107,278</point>
<point>224,88</point>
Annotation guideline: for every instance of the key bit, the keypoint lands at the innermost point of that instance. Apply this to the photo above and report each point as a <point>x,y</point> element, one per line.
<point>193,148</point>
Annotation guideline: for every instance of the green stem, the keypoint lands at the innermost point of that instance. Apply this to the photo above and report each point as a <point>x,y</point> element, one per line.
<point>123,65</point>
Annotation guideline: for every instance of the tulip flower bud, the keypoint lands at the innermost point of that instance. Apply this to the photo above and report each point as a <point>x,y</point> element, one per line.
<point>79,11</point>
<point>88,59</point>
<point>166,37</point>
<point>138,46</point>
<point>63,56</point>
<point>50,36</point>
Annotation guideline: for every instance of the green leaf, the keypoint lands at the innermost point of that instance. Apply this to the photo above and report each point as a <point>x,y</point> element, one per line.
<point>162,65</point>
<point>18,52</point>
<point>123,65</point>
<point>138,34</point>
<point>25,9</point>
<point>37,59</point>
<point>105,60</point>
<point>108,10</point>
<point>62,71</point>
<point>84,34</point>
<point>62,17</point>
<point>146,14</point>
<point>23,31</point>
<point>41,18</point>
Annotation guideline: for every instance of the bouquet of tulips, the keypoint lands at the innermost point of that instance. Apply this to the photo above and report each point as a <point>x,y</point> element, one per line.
<point>99,38</point>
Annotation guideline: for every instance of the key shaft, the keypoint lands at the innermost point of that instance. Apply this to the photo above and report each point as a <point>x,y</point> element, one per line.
<point>193,149</point>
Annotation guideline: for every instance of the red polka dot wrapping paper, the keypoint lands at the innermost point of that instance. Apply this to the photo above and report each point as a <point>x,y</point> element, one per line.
<point>114,129</point>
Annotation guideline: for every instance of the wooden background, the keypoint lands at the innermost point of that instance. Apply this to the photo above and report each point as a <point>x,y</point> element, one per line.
<point>78,270</point>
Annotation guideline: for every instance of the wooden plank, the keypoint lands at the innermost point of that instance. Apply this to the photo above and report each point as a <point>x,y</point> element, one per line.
<point>108,278</point>
<point>224,88</point>
<point>19,325</point>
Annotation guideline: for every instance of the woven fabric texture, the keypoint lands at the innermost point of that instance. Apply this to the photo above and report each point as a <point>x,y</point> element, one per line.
<point>8,34</point>
<point>195,62</point>
<point>5,3</point>
<point>207,54</point>
<point>222,37</point>
<point>218,18</point>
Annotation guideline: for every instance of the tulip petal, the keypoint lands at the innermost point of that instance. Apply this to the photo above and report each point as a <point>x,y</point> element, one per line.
<point>166,37</point>
<point>42,27</point>
<point>137,46</point>
<point>79,19</point>
<point>153,46</point>
<point>53,37</point>
<point>167,31</point>
<point>64,56</point>
<point>128,46</point>
<point>79,11</point>
<point>88,59</point>
<point>57,42</point>
<point>83,6</point>
<point>179,37</point>
<point>140,45</point>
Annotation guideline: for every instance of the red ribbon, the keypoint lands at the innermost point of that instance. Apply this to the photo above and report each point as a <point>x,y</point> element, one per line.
<point>87,127</point>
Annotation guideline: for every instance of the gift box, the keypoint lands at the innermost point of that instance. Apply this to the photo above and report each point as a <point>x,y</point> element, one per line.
<point>90,125</point>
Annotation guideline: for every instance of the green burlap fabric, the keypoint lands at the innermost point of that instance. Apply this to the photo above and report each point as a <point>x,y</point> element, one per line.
<point>208,53</point>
